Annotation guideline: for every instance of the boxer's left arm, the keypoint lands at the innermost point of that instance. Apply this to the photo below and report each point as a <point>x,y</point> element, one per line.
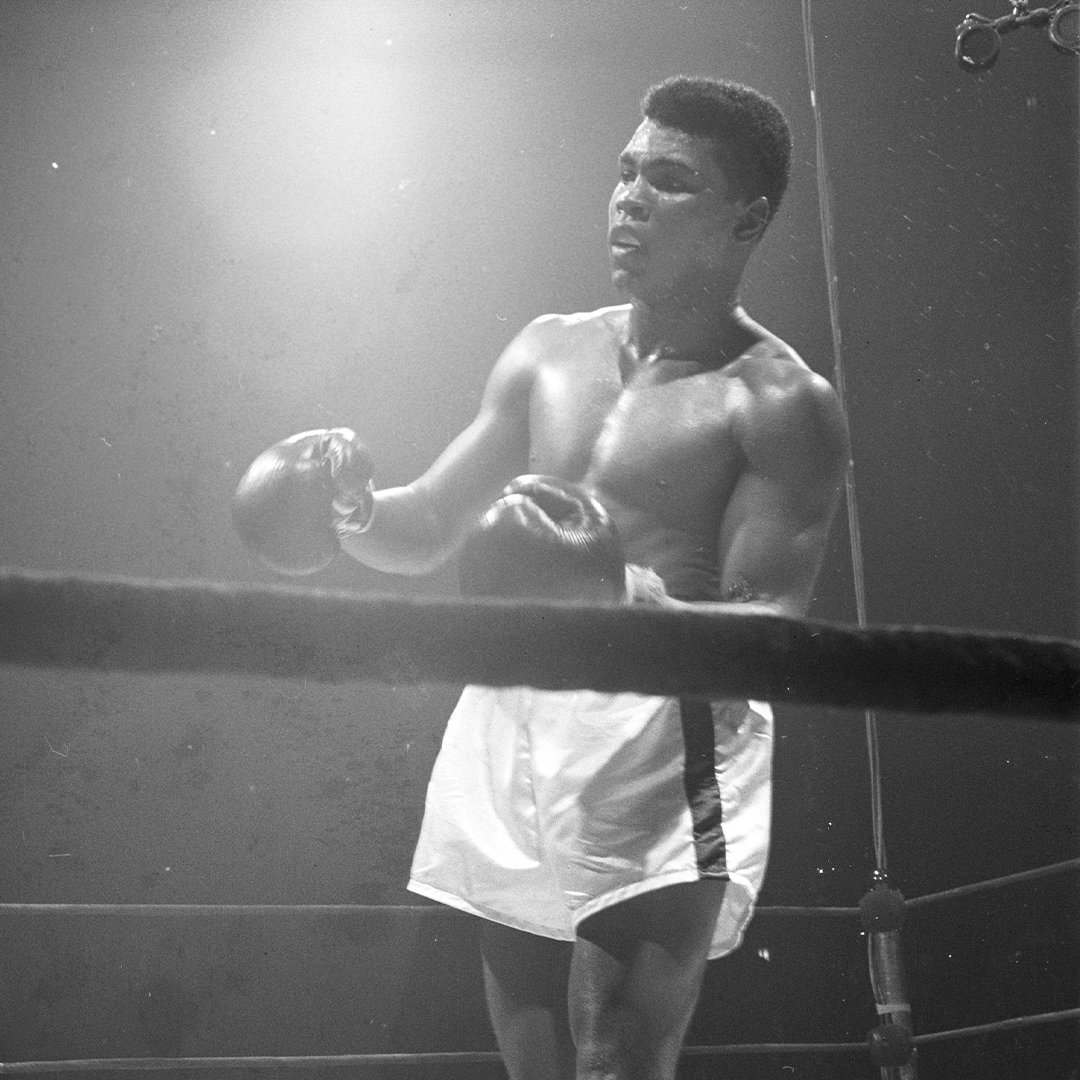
<point>776,524</point>
<point>416,527</point>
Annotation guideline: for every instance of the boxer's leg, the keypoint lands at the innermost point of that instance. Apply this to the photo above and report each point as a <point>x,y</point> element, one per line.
<point>525,978</point>
<point>635,979</point>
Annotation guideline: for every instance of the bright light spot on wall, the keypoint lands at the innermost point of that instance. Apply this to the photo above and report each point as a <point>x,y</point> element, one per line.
<point>310,127</point>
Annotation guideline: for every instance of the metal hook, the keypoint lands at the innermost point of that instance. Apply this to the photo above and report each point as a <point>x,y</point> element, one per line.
<point>978,37</point>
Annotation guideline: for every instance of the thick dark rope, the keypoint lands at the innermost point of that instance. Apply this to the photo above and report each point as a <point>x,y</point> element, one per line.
<point>155,626</point>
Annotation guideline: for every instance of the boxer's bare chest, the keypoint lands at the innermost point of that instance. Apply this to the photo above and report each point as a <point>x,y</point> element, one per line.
<point>659,436</point>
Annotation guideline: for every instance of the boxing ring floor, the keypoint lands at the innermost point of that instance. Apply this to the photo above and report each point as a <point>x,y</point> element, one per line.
<point>425,954</point>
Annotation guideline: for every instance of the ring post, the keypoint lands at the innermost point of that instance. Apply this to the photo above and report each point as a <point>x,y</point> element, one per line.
<point>891,1046</point>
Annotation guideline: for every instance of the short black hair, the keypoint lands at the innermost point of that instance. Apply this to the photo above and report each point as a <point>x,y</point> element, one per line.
<point>750,133</point>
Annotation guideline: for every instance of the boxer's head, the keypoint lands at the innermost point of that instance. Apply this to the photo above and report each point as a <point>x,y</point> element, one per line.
<point>747,130</point>
<point>698,184</point>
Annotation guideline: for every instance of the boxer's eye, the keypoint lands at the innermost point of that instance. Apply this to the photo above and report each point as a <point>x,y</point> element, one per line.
<point>673,182</point>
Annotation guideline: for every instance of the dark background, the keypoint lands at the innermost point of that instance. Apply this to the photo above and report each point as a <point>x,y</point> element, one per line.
<point>224,222</point>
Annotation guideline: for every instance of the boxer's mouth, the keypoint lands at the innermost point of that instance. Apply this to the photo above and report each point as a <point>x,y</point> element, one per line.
<point>624,238</point>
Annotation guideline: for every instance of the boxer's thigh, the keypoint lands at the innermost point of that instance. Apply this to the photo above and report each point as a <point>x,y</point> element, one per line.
<point>635,978</point>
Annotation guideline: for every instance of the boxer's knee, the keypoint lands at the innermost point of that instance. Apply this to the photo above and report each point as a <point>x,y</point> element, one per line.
<point>635,980</point>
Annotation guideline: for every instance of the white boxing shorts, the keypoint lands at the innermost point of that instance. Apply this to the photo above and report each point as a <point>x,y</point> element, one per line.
<point>545,807</point>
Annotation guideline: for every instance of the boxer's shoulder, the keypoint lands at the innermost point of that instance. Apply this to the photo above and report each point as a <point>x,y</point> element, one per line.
<point>787,403</point>
<point>558,331</point>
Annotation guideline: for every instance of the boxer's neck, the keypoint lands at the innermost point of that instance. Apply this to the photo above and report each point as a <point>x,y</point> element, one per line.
<point>712,332</point>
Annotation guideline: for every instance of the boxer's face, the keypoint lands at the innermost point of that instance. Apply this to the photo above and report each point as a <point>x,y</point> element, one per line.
<point>672,220</point>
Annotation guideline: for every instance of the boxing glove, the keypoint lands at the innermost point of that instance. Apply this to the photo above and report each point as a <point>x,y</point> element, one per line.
<point>298,497</point>
<point>544,538</point>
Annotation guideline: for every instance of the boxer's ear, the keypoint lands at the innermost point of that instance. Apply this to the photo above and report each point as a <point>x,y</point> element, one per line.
<point>752,219</point>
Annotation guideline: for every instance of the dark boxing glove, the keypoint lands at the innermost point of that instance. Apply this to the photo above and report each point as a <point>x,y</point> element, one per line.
<point>299,497</point>
<point>544,538</point>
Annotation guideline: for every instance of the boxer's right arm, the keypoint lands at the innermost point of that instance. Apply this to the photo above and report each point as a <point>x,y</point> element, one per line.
<point>415,528</point>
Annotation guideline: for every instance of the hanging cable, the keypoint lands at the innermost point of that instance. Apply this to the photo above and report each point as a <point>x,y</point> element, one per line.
<point>825,202</point>
<point>882,907</point>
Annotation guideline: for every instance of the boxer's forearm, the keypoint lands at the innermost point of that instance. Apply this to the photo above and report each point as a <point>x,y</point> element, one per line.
<point>406,534</point>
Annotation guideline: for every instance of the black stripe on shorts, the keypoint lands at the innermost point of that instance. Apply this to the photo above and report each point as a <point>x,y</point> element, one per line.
<point>702,789</point>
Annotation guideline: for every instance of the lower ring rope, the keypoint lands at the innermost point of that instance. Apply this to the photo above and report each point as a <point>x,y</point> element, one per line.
<point>153,626</point>
<point>997,1025</point>
<point>432,910</point>
<point>314,1061</point>
<point>406,910</point>
<point>993,883</point>
<point>473,1057</point>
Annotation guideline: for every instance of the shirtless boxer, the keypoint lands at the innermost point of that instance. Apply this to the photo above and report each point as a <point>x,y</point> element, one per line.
<point>719,456</point>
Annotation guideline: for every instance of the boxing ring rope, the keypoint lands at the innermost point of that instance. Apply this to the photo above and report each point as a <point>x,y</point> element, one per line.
<point>120,624</point>
<point>483,1057</point>
<point>418,911</point>
<point>114,623</point>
